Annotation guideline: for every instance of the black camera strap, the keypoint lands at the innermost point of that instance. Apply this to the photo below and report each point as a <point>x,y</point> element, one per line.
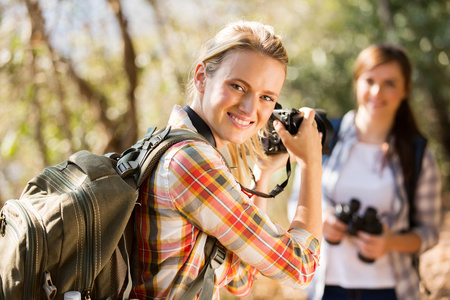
<point>205,131</point>
<point>276,190</point>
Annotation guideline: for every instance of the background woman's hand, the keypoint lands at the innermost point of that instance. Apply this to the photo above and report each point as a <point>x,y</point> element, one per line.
<point>374,246</point>
<point>333,229</point>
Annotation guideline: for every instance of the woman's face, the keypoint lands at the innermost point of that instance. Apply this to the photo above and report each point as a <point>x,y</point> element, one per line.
<point>381,90</point>
<point>238,99</point>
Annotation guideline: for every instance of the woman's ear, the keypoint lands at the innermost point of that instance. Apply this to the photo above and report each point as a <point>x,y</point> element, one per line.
<point>200,77</point>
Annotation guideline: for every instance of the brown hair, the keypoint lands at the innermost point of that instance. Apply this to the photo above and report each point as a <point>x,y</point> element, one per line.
<point>405,126</point>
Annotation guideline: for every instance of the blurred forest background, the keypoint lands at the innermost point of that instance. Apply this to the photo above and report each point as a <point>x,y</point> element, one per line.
<point>94,74</point>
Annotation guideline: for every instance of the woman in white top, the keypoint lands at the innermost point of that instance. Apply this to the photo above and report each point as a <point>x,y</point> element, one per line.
<point>372,162</point>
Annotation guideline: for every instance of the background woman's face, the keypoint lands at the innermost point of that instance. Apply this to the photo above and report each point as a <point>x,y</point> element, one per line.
<point>238,99</point>
<point>381,90</point>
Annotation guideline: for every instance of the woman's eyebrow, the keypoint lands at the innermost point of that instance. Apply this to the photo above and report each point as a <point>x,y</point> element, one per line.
<point>267,92</point>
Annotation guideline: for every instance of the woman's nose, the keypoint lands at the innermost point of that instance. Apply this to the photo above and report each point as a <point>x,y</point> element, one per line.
<point>375,89</point>
<point>249,103</point>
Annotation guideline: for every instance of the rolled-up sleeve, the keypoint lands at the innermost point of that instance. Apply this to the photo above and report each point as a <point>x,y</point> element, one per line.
<point>205,192</point>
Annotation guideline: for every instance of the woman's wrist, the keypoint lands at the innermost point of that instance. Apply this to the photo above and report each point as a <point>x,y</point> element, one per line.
<point>262,179</point>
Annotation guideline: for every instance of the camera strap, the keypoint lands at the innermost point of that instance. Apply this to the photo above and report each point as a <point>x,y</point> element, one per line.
<point>205,131</point>
<point>200,125</point>
<point>276,190</point>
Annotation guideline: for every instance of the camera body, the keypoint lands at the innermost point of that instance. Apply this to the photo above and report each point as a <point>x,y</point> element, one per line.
<point>291,119</point>
<point>368,222</point>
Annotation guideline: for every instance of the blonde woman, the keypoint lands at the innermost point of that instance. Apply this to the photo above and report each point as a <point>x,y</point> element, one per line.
<point>192,195</point>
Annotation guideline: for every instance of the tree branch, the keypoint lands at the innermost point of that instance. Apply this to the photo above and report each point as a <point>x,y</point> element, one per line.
<point>129,57</point>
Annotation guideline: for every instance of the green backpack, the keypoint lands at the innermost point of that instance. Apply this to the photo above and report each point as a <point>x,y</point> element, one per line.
<point>68,231</point>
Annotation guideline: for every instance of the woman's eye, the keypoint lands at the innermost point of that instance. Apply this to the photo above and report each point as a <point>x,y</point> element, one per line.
<point>390,83</point>
<point>267,98</point>
<point>369,81</point>
<point>237,87</point>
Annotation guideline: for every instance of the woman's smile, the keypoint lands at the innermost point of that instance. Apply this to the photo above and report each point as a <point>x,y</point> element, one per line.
<point>240,121</point>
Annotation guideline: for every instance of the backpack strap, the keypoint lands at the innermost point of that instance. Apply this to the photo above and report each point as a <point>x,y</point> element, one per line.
<point>125,255</point>
<point>216,254</point>
<point>336,123</point>
<point>205,279</point>
<point>419,144</point>
<point>138,163</point>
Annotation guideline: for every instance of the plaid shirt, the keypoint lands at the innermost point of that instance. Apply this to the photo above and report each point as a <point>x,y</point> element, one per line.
<point>191,195</point>
<point>427,214</point>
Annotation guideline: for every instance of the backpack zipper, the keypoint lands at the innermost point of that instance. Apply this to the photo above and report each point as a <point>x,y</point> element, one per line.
<point>88,261</point>
<point>31,262</point>
<point>83,199</point>
<point>5,221</point>
<point>32,242</point>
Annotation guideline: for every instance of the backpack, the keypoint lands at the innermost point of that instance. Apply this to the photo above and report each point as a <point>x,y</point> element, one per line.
<point>70,230</point>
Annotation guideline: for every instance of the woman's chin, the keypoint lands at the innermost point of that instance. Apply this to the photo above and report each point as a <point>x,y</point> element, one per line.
<point>238,139</point>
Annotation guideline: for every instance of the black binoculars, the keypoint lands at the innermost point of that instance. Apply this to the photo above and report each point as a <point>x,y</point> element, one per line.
<point>368,222</point>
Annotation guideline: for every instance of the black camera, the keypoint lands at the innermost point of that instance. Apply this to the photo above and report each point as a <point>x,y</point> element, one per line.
<point>291,120</point>
<point>368,222</point>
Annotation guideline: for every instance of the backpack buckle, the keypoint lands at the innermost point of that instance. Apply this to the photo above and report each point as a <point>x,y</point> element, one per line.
<point>155,140</point>
<point>218,255</point>
<point>126,168</point>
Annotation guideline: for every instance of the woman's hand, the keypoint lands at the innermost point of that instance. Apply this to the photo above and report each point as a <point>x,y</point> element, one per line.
<point>333,229</point>
<point>374,246</point>
<point>305,147</point>
<point>272,163</point>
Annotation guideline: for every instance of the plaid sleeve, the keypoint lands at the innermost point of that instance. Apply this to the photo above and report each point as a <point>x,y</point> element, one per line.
<point>205,192</point>
<point>243,280</point>
<point>428,203</point>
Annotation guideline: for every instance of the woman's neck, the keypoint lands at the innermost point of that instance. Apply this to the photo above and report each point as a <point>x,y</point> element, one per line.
<point>370,129</point>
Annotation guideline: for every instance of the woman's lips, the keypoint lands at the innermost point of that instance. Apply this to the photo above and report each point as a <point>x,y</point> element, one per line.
<point>240,121</point>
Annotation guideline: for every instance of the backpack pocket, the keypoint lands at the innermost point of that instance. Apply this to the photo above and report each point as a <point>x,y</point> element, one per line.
<point>22,246</point>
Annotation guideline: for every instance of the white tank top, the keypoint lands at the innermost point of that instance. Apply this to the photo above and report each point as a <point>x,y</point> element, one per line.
<point>363,178</point>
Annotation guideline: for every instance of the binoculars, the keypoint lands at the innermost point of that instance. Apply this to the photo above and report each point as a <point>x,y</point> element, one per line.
<point>368,222</point>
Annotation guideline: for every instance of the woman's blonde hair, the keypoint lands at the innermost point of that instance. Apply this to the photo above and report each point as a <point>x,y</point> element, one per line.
<point>241,35</point>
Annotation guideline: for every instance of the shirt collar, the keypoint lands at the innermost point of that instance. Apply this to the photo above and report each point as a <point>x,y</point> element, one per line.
<point>179,118</point>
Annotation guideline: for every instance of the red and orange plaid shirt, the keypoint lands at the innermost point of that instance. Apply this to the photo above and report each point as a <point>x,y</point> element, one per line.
<point>191,195</point>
